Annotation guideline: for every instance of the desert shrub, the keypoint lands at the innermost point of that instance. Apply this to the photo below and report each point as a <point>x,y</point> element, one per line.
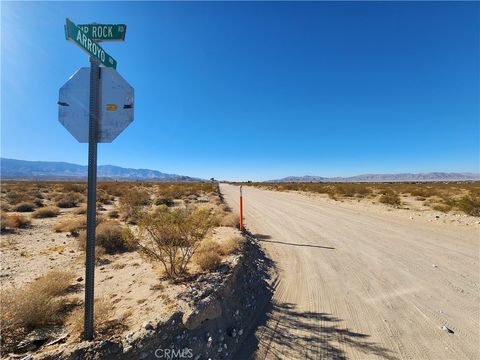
<point>113,214</point>
<point>74,187</point>
<point>230,219</point>
<point>207,256</point>
<point>111,237</point>
<point>69,200</point>
<point>72,225</point>
<point>469,205</point>
<point>15,197</point>
<point>114,189</point>
<point>4,207</point>
<point>441,207</point>
<point>390,198</point>
<point>162,200</point>
<point>131,203</point>
<point>103,317</point>
<point>25,207</point>
<point>15,221</point>
<point>46,212</point>
<point>231,245</point>
<point>38,202</point>
<point>32,306</point>
<point>81,210</point>
<point>172,237</point>
<point>208,261</point>
<point>104,197</point>
<point>423,191</point>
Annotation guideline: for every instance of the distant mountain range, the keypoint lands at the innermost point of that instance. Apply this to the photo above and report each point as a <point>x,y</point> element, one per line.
<point>433,176</point>
<point>49,170</point>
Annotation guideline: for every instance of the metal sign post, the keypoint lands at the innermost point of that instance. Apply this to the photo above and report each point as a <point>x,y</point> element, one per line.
<point>241,209</point>
<point>91,196</point>
<point>109,100</point>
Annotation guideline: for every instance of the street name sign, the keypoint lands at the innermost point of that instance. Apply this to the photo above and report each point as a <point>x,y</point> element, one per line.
<point>85,42</point>
<point>116,105</point>
<point>105,32</point>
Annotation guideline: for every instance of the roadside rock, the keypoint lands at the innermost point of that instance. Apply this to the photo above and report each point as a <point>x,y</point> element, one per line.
<point>206,309</point>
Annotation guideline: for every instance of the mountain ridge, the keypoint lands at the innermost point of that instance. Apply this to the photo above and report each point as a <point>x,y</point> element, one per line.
<point>397,177</point>
<point>58,170</point>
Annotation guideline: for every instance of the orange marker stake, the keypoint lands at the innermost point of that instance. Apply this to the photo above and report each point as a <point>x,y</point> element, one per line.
<point>241,209</point>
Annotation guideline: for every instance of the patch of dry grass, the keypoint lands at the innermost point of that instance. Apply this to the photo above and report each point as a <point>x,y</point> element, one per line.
<point>390,198</point>
<point>25,207</point>
<point>230,219</point>
<point>35,305</point>
<point>72,225</point>
<point>14,221</point>
<point>46,212</point>
<point>103,317</point>
<point>111,237</point>
<point>69,200</point>
<point>232,245</point>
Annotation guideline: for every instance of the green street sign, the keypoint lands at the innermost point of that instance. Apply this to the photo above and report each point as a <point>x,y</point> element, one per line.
<point>105,32</point>
<point>85,42</point>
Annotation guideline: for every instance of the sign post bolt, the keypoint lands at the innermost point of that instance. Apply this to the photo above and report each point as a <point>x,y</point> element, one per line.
<point>91,196</point>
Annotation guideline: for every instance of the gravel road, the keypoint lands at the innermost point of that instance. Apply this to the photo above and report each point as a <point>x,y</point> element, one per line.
<point>358,284</point>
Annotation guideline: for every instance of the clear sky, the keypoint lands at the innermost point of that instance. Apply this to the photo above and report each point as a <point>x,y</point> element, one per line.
<point>258,90</point>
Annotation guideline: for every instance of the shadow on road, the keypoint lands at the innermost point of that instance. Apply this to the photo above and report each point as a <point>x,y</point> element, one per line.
<point>283,332</point>
<point>286,333</point>
<point>264,238</point>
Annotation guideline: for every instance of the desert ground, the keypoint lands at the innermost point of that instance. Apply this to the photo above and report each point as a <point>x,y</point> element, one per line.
<point>42,257</point>
<point>363,280</point>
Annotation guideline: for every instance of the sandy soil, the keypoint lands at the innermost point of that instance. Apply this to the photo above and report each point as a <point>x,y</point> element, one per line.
<point>133,284</point>
<point>362,281</point>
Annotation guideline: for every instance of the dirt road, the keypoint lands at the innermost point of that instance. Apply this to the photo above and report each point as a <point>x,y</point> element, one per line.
<point>362,285</point>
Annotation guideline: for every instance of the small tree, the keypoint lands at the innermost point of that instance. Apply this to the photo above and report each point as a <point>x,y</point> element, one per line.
<point>172,237</point>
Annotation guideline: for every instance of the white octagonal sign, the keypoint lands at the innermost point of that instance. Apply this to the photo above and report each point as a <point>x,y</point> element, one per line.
<point>116,105</point>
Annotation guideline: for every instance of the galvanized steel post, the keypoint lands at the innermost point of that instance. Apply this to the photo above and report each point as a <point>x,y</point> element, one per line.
<point>91,196</point>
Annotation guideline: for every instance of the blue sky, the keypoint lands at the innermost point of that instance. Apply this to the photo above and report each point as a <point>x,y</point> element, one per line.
<point>258,90</point>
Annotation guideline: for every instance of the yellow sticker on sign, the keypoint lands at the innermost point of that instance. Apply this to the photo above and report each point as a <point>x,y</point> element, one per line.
<point>111,107</point>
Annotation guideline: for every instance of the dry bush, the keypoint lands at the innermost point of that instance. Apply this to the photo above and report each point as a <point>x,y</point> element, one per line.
<point>231,245</point>
<point>5,207</point>
<point>46,212</point>
<point>15,197</point>
<point>104,197</point>
<point>172,237</point>
<point>208,261</point>
<point>390,198</point>
<point>111,237</point>
<point>163,200</point>
<point>103,318</point>
<point>131,203</point>
<point>230,219</point>
<point>81,210</point>
<point>469,205</point>
<point>114,188</point>
<point>208,256</point>
<point>74,187</point>
<point>25,207</point>
<point>72,225</point>
<point>15,221</point>
<point>35,305</point>
<point>113,214</point>
<point>38,202</point>
<point>441,207</point>
<point>69,200</point>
